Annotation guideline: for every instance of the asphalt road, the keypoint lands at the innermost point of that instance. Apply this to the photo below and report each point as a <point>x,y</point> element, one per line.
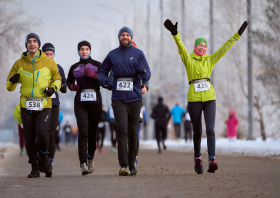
<point>170,174</point>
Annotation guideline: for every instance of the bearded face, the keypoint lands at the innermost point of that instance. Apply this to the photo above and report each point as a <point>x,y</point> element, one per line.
<point>125,40</point>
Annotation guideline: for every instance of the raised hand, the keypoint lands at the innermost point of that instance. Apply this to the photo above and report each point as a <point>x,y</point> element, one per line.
<point>242,28</point>
<point>172,28</point>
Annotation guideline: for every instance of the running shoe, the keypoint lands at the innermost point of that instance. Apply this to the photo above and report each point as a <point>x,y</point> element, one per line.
<point>198,165</point>
<point>21,152</point>
<point>212,166</point>
<point>124,171</point>
<point>132,169</point>
<point>84,169</point>
<point>34,173</point>
<point>114,150</point>
<point>100,151</point>
<point>90,165</point>
<point>46,165</point>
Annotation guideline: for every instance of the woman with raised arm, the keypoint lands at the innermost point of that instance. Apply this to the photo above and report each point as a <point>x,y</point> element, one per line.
<point>201,94</point>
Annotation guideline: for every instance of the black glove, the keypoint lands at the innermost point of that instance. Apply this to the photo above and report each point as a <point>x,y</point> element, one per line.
<point>172,28</point>
<point>63,89</point>
<point>243,27</point>
<point>49,91</point>
<point>15,78</point>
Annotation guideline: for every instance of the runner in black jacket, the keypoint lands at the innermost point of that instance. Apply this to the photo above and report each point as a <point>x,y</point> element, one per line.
<point>161,114</point>
<point>87,103</point>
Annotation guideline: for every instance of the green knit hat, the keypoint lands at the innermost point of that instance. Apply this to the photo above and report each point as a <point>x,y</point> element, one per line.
<point>200,40</point>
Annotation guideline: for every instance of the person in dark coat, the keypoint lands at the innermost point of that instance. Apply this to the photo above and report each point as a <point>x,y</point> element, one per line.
<point>161,114</point>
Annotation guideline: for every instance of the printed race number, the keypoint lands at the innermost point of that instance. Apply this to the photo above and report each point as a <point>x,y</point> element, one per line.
<point>34,104</point>
<point>125,84</point>
<point>203,86</point>
<point>88,95</point>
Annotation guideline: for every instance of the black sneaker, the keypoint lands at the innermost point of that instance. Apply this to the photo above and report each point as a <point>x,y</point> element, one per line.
<point>198,165</point>
<point>132,169</point>
<point>34,173</point>
<point>46,164</point>
<point>212,166</point>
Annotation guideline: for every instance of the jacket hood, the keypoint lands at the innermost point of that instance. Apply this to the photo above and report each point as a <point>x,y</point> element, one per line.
<point>232,113</point>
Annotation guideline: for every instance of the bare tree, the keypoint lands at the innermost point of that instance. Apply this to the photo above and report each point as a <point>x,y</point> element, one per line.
<point>15,24</point>
<point>268,51</point>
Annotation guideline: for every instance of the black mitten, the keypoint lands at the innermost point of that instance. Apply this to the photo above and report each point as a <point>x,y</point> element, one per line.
<point>49,91</point>
<point>63,89</point>
<point>242,28</point>
<point>172,28</point>
<point>15,78</point>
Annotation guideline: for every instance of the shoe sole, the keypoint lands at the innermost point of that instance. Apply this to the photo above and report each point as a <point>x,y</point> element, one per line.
<point>134,174</point>
<point>48,174</point>
<point>212,168</point>
<point>30,176</point>
<point>85,173</point>
<point>124,173</point>
<point>198,171</point>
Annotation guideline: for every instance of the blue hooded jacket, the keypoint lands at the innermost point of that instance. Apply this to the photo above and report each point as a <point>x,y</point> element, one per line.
<point>177,113</point>
<point>121,62</point>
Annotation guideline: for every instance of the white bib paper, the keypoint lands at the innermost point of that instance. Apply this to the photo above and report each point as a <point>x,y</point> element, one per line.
<point>88,95</point>
<point>34,104</point>
<point>203,86</point>
<point>53,96</point>
<point>125,84</point>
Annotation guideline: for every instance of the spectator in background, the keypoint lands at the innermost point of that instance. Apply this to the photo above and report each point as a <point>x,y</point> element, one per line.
<point>232,123</point>
<point>75,132</point>
<point>100,134</point>
<point>161,115</point>
<point>188,125</point>
<point>67,131</point>
<point>177,113</point>
<point>20,129</point>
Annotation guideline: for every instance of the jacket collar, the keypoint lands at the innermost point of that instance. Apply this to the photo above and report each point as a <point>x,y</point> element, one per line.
<point>85,61</point>
<point>125,49</point>
<point>40,57</point>
<point>197,57</point>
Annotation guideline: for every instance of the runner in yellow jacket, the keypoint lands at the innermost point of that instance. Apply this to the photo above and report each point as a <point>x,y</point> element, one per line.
<point>201,94</point>
<point>39,79</point>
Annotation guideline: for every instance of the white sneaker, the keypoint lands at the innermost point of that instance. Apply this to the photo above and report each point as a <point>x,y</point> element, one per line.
<point>90,166</point>
<point>84,169</point>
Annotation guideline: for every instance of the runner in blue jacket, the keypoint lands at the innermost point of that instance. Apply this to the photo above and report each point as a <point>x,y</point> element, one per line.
<point>129,66</point>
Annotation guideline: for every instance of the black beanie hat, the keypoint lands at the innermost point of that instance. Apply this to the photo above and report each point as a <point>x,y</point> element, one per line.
<point>48,47</point>
<point>83,43</point>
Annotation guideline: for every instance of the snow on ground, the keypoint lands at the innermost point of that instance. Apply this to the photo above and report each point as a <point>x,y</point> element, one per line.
<point>258,147</point>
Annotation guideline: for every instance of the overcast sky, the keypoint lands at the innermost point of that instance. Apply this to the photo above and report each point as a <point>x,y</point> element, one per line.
<point>67,22</point>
